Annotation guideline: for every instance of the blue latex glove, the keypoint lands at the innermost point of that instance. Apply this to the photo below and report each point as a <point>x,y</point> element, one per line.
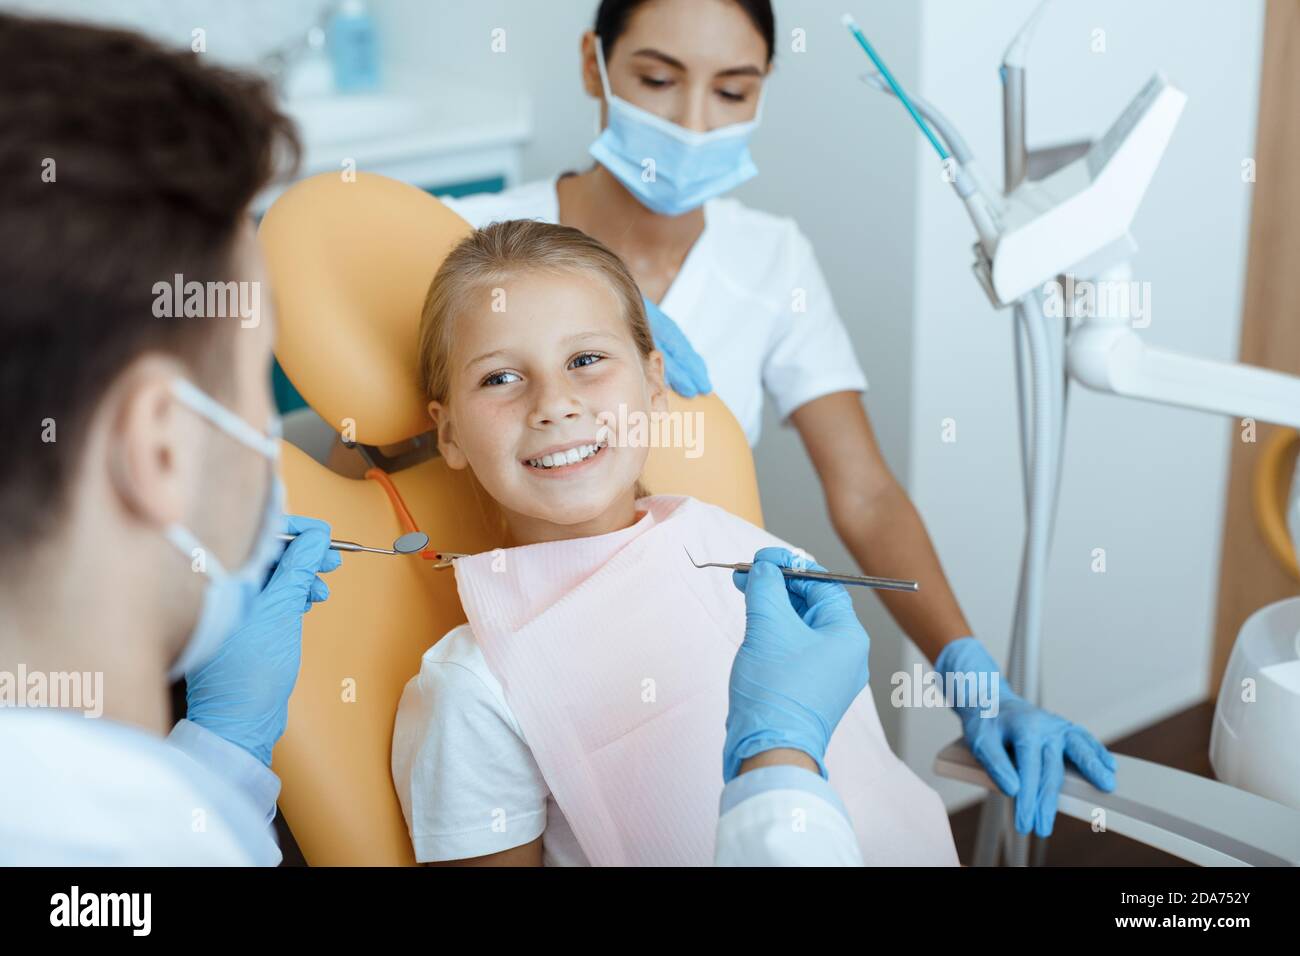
<point>1039,739</point>
<point>242,693</point>
<point>683,368</point>
<point>802,663</point>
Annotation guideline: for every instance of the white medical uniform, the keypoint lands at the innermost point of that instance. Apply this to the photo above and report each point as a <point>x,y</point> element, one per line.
<point>469,785</point>
<point>784,816</point>
<point>80,791</point>
<point>91,792</point>
<point>749,297</point>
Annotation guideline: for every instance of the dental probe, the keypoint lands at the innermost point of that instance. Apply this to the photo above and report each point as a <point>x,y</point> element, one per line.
<point>862,580</point>
<point>852,26</point>
<point>411,543</point>
<point>965,182</point>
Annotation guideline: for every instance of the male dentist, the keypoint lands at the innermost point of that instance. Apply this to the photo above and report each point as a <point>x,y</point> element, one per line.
<point>139,500</point>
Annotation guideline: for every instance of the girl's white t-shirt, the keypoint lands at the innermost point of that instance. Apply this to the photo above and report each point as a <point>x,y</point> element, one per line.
<point>749,296</point>
<point>465,776</point>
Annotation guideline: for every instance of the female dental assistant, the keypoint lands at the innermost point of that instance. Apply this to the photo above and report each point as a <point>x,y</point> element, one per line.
<point>681,84</point>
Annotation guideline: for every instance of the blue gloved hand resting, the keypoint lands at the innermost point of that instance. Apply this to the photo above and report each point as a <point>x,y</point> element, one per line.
<point>802,663</point>
<point>242,693</point>
<point>684,370</point>
<point>1039,739</point>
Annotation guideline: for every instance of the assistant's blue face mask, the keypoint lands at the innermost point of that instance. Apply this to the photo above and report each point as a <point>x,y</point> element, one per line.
<point>669,168</point>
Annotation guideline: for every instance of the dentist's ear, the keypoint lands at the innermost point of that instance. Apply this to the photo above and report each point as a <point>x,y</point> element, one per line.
<point>447,445</point>
<point>153,451</point>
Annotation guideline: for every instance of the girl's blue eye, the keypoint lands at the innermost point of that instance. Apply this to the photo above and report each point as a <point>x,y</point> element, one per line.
<point>587,355</point>
<point>493,379</point>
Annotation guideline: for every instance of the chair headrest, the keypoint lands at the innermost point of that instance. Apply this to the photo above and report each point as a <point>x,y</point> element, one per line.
<point>350,262</point>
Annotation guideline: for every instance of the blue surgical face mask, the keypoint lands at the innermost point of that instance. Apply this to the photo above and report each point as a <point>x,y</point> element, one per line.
<point>229,595</point>
<point>669,168</point>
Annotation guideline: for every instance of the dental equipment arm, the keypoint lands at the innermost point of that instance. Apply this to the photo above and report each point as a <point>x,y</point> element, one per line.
<point>1074,219</point>
<point>1015,150</point>
<point>1197,819</point>
<point>1078,218</point>
<point>1080,215</point>
<point>1107,355</point>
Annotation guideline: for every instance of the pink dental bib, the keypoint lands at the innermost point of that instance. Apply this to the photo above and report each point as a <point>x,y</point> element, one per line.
<point>614,654</point>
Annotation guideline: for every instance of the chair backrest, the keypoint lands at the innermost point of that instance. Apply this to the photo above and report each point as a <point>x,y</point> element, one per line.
<point>1275,496</point>
<point>350,263</point>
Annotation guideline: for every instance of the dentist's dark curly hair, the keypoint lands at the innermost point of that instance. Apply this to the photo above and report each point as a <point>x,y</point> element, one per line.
<point>122,163</point>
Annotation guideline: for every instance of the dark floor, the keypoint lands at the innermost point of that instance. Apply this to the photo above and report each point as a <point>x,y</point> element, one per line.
<point>1181,741</point>
<point>288,845</point>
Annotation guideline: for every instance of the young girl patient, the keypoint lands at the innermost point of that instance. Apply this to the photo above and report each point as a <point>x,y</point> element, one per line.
<point>578,717</point>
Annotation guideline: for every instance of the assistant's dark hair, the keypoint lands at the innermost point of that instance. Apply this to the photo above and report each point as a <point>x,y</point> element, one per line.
<point>122,163</point>
<point>613,15</point>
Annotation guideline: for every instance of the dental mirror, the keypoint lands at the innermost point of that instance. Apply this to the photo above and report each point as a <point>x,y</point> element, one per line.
<point>413,542</point>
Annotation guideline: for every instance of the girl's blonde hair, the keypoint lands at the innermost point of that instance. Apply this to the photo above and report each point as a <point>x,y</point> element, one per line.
<point>488,257</point>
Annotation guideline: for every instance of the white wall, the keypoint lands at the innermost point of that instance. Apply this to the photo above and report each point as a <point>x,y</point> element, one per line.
<point>424,42</point>
<point>1146,483</point>
<point>237,32</point>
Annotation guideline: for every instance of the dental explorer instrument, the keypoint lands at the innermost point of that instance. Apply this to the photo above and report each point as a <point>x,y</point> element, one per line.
<point>412,542</point>
<point>863,580</point>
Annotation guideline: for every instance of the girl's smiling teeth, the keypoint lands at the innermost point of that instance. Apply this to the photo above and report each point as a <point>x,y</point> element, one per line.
<point>570,456</point>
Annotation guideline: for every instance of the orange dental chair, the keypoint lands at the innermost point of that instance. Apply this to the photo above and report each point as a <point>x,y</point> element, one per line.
<point>350,263</point>
<point>1271,487</point>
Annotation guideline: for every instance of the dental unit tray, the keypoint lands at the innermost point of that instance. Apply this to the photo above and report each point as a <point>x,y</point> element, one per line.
<point>1082,212</point>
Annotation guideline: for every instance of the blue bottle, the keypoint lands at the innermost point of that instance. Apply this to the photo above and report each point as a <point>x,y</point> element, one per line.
<point>353,45</point>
